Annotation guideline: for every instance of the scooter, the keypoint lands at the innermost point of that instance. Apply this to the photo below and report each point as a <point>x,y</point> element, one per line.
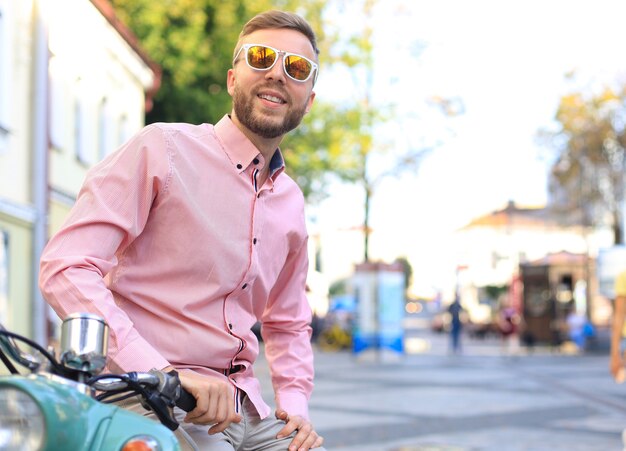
<point>66,403</point>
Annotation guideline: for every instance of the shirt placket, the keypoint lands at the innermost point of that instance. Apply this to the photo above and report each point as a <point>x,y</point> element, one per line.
<point>230,314</point>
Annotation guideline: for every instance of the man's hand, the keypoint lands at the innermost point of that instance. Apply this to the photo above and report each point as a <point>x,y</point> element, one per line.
<point>214,401</point>
<point>306,438</point>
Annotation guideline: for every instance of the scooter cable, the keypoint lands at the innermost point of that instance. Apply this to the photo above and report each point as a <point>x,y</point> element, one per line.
<point>105,397</point>
<point>7,362</point>
<point>38,347</point>
<point>132,386</point>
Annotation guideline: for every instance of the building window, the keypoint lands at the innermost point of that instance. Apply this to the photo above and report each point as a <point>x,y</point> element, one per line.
<point>4,277</point>
<point>81,132</point>
<point>103,129</point>
<point>78,130</point>
<point>57,105</point>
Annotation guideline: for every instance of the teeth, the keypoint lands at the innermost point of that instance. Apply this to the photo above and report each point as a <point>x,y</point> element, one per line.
<point>271,98</point>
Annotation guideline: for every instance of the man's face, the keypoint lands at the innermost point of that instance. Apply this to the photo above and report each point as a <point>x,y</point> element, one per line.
<point>269,103</point>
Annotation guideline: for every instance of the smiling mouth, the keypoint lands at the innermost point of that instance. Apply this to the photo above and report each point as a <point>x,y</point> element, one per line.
<point>272,99</point>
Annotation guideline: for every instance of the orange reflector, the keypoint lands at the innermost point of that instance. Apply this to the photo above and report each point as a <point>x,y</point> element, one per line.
<point>142,443</point>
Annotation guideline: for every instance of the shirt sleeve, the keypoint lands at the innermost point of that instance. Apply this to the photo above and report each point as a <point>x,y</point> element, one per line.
<point>110,212</point>
<point>287,335</point>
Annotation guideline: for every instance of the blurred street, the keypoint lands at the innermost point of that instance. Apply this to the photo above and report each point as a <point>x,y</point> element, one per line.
<point>480,400</point>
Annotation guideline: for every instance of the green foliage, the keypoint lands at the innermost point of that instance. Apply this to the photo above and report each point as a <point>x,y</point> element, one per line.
<point>327,145</point>
<point>339,287</point>
<point>192,41</point>
<point>407,269</point>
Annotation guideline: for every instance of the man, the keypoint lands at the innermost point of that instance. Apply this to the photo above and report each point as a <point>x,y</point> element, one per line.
<point>187,235</point>
<point>616,364</point>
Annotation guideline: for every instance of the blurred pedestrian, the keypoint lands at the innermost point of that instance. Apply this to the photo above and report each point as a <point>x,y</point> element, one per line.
<point>618,330</point>
<point>189,234</point>
<point>508,321</point>
<point>456,325</point>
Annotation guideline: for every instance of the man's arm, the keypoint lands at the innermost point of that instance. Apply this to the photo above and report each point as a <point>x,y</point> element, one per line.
<point>617,360</point>
<point>287,336</point>
<point>111,211</point>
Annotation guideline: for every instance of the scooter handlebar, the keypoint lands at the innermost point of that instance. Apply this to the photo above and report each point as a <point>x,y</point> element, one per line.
<point>186,401</point>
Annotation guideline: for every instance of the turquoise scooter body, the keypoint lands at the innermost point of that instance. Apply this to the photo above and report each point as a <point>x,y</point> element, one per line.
<point>56,408</point>
<point>70,420</point>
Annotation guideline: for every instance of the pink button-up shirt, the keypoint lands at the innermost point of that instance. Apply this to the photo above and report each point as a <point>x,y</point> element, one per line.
<point>173,244</point>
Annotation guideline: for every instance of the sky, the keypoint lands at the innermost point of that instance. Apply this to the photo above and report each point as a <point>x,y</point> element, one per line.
<point>504,63</point>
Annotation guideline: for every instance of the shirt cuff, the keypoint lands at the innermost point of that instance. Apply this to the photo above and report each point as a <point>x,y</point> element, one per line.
<point>294,403</point>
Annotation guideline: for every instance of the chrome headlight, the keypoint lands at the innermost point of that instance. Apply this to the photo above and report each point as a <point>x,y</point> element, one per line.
<point>22,424</point>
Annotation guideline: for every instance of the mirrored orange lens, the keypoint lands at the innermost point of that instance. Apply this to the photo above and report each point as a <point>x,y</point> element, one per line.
<point>261,57</point>
<point>297,67</point>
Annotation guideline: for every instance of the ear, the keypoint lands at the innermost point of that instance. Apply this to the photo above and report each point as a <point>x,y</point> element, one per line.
<point>310,102</point>
<point>230,81</point>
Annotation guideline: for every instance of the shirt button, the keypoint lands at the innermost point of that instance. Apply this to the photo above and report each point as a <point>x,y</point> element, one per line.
<point>244,286</point>
<point>254,241</point>
<point>239,166</point>
<point>255,161</point>
<point>230,326</point>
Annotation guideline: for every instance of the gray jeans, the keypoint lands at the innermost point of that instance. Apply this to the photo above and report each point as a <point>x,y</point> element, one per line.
<point>251,434</point>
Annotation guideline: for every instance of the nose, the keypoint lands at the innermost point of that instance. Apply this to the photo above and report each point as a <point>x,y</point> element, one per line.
<point>277,72</point>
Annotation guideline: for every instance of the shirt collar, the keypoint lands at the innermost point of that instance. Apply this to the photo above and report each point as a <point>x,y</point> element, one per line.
<point>277,164</point>
<point>237,146</point>
<point>240,149</point>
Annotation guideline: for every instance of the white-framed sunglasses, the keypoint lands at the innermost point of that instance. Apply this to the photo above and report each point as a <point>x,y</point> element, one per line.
<point>263,57</point>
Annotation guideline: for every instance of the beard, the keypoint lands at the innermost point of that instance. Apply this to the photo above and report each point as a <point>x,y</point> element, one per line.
<point>262,125</point>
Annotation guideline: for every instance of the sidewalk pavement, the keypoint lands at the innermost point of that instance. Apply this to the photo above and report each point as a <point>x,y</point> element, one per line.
<point>429,400</point>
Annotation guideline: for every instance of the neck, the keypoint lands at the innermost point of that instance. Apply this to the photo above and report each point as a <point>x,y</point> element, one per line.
<point>266,146</point>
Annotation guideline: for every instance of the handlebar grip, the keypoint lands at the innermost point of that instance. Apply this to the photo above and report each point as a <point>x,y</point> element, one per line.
<point>186,401</point>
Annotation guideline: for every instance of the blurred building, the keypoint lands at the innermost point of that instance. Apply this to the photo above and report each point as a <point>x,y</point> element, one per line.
<point>492,249</point>
<point>74,84</point>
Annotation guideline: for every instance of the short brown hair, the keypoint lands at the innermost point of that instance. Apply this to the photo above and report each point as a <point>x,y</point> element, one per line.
<point>275,19</point>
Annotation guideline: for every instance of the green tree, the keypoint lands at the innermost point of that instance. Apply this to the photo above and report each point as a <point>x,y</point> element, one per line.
<point>192,42</point>
<point>323,148</point>
<point>587,178</point>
